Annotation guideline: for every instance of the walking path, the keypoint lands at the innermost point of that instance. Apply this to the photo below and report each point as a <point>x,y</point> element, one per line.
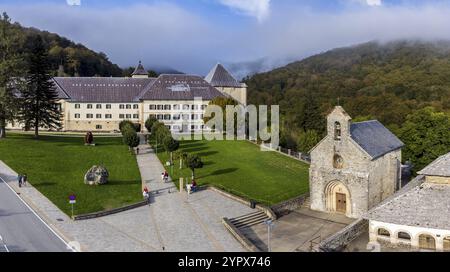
<point>173,221</point>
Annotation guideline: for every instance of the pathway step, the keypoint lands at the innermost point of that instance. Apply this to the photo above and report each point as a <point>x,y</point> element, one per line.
<point>249,220</point>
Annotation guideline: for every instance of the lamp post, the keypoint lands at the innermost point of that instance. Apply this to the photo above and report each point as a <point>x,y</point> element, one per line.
<point>270,224</point>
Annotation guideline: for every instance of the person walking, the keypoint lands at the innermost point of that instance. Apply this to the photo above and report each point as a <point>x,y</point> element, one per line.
<point>19,179</point>
<point>146,195</point>
<point>24,180</point>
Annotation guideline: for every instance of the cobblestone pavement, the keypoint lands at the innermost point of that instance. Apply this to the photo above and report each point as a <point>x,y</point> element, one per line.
<point>172,222</point>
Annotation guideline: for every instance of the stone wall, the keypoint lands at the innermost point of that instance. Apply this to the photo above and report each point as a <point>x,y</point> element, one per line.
<point>338,241</point>
<point>289,205</point>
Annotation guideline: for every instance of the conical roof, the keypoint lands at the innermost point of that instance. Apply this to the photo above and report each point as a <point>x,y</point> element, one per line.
<point>139,71</point>
<point>220,77</point>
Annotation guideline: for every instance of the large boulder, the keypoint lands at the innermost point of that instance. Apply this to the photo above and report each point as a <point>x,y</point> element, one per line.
<point>97,175</point>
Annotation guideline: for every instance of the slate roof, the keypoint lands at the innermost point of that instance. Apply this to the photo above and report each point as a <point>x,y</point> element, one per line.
<point>179,87</point>
<point>426,205</point>
<point>439,167</point>
<point>139,71</point>
<point>101,89</point>
<point>374,138</point>
<point>220,77</point>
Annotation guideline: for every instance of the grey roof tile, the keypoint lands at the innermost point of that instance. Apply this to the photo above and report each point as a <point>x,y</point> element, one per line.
<point>439,167</point>
<point>179,87</point>
<point>220,77</point>
<point>426,205</point>
<point>374,138</point>
<point>101,89</point>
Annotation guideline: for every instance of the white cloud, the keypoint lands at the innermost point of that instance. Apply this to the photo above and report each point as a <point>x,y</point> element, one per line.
<point>256,8</point>
<point>374,2</point>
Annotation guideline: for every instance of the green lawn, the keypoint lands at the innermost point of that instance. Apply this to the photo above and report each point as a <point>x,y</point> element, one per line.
<point>241,168</point>
<point>56,167</point>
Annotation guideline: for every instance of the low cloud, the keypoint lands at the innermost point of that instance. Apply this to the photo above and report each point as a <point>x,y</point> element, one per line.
<point>259,9</point>
<point>169,35</point>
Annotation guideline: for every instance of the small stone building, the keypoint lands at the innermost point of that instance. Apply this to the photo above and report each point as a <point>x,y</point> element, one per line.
<point>417,219</point>
<point>355,167</point>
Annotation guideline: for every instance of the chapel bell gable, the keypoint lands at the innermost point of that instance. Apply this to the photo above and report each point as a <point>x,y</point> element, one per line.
<point>338,123</point>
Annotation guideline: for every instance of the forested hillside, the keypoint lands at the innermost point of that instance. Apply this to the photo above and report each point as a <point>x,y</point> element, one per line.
<point>387,82</point>
<point>68,58</point>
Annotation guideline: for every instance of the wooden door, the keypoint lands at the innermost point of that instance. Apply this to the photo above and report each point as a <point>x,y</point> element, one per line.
<point>427,242</point>
<point>341,203</point>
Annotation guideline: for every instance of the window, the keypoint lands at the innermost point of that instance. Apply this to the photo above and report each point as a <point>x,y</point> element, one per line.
<point>128,116</point>
<point>176,117</point>
<point>186,107</point>
<point>121,106</point>
<point>98,127</point>
<point>176,107</point>
<point>404,236</point>
<point>427,242</point>
<point>108,106</point>
<point>167,116</point>
<point>98,106</point>
<point>121,116</point>
<point>176,128</point>
<point>152,107</point>
<point>135,116</point>
<point>167,107</point>
<point>337,131</point>
<point>159,107</point>
<point>89,116</point>
<point>160,116</point>
<point>128,107</point>
<point>108,116</point>
<point>194,117</point>
<point>194,127</point>
<point>168,127</point>
<point>338,161</point>
<point>447,243</point>
<point>89,106</point>
<point>204,107</point>
<point>135,106</point>
<point>384,232</point>
<point>98,116</point>
<point>77,106</point>
<point>152,116</point>
<point>194,107</point>
<point>77,115</point>
<point>185,116</point>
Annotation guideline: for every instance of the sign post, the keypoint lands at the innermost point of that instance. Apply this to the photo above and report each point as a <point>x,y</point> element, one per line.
<point>72,201</point>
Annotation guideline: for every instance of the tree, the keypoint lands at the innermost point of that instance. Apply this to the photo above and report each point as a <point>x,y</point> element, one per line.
<point>39,100</point>
<point>426,134</point>
<point>194,161</point>
<point>180,155</point>
<point>222,102</point>
<point>149,123</point>
<point>307,140</point>
<point>170,145</point>
<point>131,139</point>
<point>10,60</point>
<point>126,125</point>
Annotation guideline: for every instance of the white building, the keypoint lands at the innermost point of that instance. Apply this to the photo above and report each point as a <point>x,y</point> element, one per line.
<point>418,218</point>
<point>101,103</point>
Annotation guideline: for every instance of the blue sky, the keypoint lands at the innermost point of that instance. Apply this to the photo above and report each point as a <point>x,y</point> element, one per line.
<point>192,35</point>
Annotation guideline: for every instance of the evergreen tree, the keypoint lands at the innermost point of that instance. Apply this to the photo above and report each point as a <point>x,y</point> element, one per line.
<point>10,61</point>
<point>39,99</point>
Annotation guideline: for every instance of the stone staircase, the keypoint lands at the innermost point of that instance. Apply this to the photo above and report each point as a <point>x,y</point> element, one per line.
<point>249,220</point>
<point>307,203</point>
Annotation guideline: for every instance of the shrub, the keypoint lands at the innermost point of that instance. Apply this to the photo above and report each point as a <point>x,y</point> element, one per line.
<point>131,139</point>
<point>149,123</point>
<point>125,125</point>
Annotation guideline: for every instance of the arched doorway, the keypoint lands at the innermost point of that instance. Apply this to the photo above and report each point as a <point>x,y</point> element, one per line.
<point>338,198</point>
<point>427,242</point>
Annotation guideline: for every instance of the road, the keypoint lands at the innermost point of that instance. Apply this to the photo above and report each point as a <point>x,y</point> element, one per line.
<point>21,230</point>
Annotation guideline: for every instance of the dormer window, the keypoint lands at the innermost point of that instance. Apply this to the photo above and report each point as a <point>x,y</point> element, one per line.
<point>337,131</point>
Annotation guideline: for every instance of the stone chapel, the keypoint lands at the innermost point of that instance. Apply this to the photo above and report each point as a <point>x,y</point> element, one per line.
<point>355,167</point>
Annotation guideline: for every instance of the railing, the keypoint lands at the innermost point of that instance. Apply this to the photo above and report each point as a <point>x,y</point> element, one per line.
<point>314,242</point>
<point>304,157</point>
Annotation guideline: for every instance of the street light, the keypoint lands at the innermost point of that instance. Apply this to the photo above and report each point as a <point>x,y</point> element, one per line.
<point>270,224</point>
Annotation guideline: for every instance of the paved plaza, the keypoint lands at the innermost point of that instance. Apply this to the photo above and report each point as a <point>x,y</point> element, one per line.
<point>172,222</point>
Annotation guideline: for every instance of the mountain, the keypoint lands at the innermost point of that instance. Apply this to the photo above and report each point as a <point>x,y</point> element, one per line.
<point>69,58</point>
<point>384,81</point>
<point>369,79</point>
